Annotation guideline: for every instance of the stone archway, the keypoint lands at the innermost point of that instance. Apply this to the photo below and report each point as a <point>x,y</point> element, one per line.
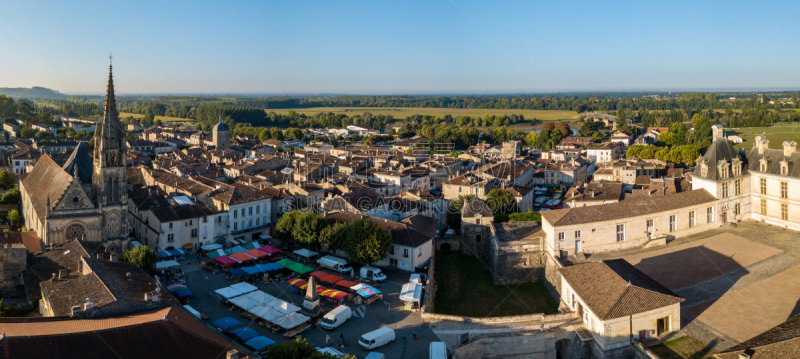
<point>74,231</point>
<point>563,349</point>
<point>445,247</point>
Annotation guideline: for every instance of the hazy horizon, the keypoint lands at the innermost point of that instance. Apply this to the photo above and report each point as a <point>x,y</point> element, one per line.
<point>356,47</point>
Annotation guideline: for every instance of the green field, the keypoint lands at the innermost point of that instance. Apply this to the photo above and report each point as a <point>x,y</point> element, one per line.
<point>403,112</point>
<point>464,287</point>
<point>775,134</point>
<point>162,118</point>
<point>683,348</point>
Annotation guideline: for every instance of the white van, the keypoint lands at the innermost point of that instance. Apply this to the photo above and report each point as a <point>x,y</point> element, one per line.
<point>438,350</point>
<point>336,317</point>
<point>335,263</point>
<point>372,273</point>
<point>417,278</point>
<point>376,338</point>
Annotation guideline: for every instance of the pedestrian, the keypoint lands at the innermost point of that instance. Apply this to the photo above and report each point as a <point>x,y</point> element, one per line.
<point>414,333</point>
<point>328,340</point>
<point>340,346</point>
<point>208,293</point>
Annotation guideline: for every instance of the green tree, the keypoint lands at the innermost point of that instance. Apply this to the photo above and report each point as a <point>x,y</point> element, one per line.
<point>11,196</point>
<point>299,349</point>
<point>367,242</point>
<point>501,201</point>
<point>142,256</point>
<point>454,211</point>
<point>564,129</point>
<point>27,132</point>
<point>308,229</point>
<point>334,237</point>
<point>14,217</point>
<point>531,138</point>
<point>286,225</point>
<point>527,216</point>
<point>7,179</point>
<point>44,134</point>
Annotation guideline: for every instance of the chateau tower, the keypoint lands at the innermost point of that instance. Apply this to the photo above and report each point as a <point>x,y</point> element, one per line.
<point>221,135</point>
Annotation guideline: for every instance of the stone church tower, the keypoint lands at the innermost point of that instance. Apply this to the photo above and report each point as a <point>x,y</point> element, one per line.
<point>221,135</point>
<point>109,176</point>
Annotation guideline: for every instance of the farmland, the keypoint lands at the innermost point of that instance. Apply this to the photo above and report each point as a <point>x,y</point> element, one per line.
<point>162,118</point>
<point>775,134</point>
<point>403,112</point>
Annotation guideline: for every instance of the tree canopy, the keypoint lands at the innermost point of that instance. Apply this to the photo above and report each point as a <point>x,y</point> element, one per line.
<point>299,349</point>
<point>367,242</point>
<point>143,256</point>
<point>501,201</point>
<point>7,179</point>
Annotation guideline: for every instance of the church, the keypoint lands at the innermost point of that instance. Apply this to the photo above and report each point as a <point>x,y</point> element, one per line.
<point>87,197</point>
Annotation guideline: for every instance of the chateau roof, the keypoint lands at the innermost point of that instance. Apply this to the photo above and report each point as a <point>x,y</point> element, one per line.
<point>720,151</point>
<point>614,289</point>
<point>782,341</point>
<point>774,158</point>
<point>635,207</point>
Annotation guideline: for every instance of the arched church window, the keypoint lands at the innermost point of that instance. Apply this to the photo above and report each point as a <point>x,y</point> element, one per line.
<point>115,192</point>
<point>109,192</point>
<point>75,231</point>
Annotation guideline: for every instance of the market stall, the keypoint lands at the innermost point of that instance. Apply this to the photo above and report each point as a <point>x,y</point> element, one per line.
<point>319,274</point>
<point>255,253</point>
<point>297,285</point>
<point>252,245</point>
<point>270,250</point>
<point>244,334</point>
<point>269,267</point>
<point>211,247</point>
<point>334,296</point>
<point>283,306</point>
<point>252,270</point>
<point>228,292</point>
<point>164,254</point>
<point>244,287</point>
<point>411,295</point>
<point>330,278</point>
<point>294,266</point>
<point>226,260</point>
<point>241,257</point>
<point>166,264</point>
<point>238,249</point>
<point>176,287</point>
<point>365,294</point>
<point>259,343</point>
<point>344,284</point>
<point>294,323</point>
<point>218,253</point>
<point>226,323</point>
<point>236,272</point>
<point>305,255</point>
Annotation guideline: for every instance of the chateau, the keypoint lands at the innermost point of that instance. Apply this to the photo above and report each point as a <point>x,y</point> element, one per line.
<point>86,198</point>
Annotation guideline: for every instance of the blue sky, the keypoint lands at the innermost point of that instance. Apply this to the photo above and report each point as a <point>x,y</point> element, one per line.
<point>399,47</point>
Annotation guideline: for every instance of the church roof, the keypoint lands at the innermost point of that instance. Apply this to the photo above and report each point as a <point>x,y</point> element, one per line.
<point>221,126</point>
<point>46,181</point>
<point>80,158</point>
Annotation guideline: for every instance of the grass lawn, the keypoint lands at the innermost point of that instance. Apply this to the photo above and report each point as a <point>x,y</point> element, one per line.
<point>775,134</point>
<point>683,348</point>
<point>464,287</point>
<point>162,118</point>
<point>403,112</point>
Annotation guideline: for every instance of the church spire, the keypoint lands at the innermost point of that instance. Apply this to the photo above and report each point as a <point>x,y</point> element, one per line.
<point>111,101</point>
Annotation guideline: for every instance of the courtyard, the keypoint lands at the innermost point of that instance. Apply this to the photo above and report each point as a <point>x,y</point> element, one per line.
<point>465,288</point>
<point>727,276</point>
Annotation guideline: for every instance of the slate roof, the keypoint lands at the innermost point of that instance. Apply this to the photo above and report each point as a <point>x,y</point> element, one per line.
<point>635,207</point>
<point>518,231</point>
<point>170,332</point>
<point>721,151</point>
<point>80,158</point>
<point>181,212</point>
<point>231,195</point>
<point>46,180</point>
<point>774,158</point>
<point>601,190</point>
<point>474,207</point>
<point>782,341</point>
<point>403,234</point>
<point>615,289</point>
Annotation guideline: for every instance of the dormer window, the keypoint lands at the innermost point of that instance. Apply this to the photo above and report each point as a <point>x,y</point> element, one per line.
<point>763,165</point>
<point>737,167</point>
<point>784,168</point>
<point>704,170</point>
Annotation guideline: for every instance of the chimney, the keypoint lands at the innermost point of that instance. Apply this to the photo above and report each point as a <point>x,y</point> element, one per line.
<point>62,274</point>
<point>88,305</point>
<point>762,144</point>
<point>717,131</point>
<point>54,279</point>
<point>232,354</point>
<point>744,356</point>
<point>789,147</point>
<point>76,309</point>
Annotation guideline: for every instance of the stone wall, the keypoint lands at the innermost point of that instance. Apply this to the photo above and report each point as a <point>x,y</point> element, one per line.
<point>474,238</point>
<point>552,278</point>
<point>430,293</point>
<point>516,267</point>
<point>538,318</point>
<point>453,243</point>
<point>14,259</point>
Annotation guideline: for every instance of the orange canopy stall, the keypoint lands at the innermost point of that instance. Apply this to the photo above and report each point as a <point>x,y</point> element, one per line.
<point>241,257</point>
<point>256,253</point>
<point>319,274</point>
<point>332,279</point>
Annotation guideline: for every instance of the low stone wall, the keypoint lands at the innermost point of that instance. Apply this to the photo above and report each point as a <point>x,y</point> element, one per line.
<point>552,278</point>
<point>430,293</point>
<point>452,244</point>
<point>538,317</point>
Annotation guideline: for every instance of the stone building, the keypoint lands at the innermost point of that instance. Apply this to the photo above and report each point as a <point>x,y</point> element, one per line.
<point>616,302</point>
<point>476,224</point>
<point>516,252</point>
<point>221,135</point>
<point>13,260</point>
<point>87,198</point>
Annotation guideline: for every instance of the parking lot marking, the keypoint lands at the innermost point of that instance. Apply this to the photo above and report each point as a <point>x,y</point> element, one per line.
<point>361,311</point>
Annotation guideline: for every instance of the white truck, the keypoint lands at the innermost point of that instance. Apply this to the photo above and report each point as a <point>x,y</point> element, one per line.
<point>372,273</point>
<point>335,263</point>
<point>376,338</point>
<point>336,317</point>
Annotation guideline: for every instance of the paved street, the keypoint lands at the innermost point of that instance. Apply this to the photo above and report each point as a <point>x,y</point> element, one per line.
<point>386,312</point>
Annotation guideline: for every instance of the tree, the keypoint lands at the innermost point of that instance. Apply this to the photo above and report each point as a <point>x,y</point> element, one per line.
<point>549,126</point>
<point>564,129</point>
<point>7,179</point>
<point>501,201</point>
<point>44,134</point>
<point>286,225</point>
<point>334,237</point>
<point>308,229</point>
<point>27,132</point>
<point>158,123</point>
<point>299,349</point>
<point>527,216</point>
<point>142,256</point>
<point>12,196</point>
<point>367,242</point>
<point>14,217</point>
<point>454,211</point>
<point>531,137</point>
